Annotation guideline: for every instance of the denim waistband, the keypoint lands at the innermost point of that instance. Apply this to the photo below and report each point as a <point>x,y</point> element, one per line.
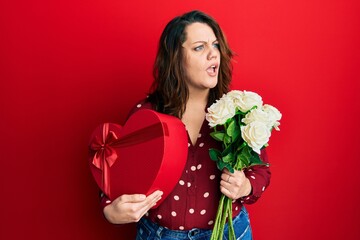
<point>160,231</point>
<point>146,229</point>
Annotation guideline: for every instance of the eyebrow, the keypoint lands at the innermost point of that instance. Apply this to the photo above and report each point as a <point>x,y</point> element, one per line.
<point>201,41</point>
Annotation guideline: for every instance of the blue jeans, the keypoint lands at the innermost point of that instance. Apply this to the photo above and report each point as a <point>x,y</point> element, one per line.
<point>147,230</point>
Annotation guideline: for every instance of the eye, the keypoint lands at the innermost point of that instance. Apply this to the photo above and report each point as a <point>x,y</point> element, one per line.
<point>216,45</point>
<point>199,48</point>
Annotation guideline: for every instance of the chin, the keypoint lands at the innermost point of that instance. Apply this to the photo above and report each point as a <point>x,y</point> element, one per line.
<point>212,83</point>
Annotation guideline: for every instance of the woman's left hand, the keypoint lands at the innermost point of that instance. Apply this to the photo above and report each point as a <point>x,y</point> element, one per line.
<point>234,185</point>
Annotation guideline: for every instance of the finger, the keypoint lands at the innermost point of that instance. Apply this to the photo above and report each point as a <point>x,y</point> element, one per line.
<point>137,198</point>
<point>239,173</point>
<point>226,185</point>
<point>225,176</point>
<point>225,170</point>
<point>131,198</point>
<point>149,203</point>
<point>155,194</point>
<point>227,192</point>
<point>151,200</point>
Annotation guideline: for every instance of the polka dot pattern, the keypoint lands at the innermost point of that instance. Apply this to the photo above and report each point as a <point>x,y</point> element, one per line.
<point>197,190</point>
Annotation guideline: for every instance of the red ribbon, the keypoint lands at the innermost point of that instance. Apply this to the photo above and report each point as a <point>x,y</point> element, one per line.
<point>105,154</point>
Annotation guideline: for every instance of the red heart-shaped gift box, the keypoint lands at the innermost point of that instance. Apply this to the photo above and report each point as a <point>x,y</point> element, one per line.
<point>148,153</point>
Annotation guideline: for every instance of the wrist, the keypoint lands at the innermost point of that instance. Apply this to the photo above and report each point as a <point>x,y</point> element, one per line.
<point>108,213</point>
<point>248,188</point>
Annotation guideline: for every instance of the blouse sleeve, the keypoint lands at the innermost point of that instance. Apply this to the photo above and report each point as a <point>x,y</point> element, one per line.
<point>259,177</point>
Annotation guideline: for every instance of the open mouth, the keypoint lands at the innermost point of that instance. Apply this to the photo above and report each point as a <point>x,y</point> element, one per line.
<point>212,70</point>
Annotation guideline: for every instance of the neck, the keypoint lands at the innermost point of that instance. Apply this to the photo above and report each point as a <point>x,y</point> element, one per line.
<point>198,97</point>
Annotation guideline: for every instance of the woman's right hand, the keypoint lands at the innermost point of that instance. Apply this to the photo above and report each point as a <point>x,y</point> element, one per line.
<point>130,208</point>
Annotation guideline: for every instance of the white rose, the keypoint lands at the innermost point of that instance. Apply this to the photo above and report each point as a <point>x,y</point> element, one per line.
<point>245,100</point>
<point>257,115</point>
<point>274,116</point>
<point>256,134</point>
<point>220,112</point>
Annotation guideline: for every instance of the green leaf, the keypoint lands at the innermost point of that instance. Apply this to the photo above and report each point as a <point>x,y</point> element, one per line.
<point>241,146</point>
<point>227,150</point>
<point>243,160</point>
<point>221,165</point>
<point>219,136</point>
<point>215,154</point>
<point>256,160</point>
<point>239,165</point>
<point>227,139</point>
<point>229,158</point>
<point>231,128</point>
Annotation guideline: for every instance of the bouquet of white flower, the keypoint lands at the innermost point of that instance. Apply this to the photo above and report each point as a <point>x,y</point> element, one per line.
<point>243,124</point>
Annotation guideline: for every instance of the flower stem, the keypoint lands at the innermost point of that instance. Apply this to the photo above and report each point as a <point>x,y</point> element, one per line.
<point>223,217</point>
<point>217,226</point>
<point>230,222</point>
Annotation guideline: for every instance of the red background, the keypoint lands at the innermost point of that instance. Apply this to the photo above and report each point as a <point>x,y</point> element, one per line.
<point>67,66</point>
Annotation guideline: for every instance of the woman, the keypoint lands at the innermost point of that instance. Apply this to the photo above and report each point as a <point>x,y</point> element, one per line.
<point>192,70</point>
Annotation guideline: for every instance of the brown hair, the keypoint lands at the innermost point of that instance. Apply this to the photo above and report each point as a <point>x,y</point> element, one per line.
<point>169,92</point>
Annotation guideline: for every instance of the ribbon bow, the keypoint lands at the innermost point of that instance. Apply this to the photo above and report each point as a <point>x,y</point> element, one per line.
<point>105,155</point>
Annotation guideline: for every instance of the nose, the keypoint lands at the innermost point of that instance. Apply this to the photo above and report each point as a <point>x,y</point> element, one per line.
<point>213,53</point>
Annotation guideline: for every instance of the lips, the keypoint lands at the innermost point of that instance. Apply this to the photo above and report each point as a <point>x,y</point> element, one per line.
<point>212,70</point>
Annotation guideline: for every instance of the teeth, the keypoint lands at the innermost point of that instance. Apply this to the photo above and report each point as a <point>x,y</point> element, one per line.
<point>213,68</point>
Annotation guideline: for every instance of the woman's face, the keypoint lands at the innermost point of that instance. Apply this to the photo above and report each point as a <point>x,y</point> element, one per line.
<point>201,57</point>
